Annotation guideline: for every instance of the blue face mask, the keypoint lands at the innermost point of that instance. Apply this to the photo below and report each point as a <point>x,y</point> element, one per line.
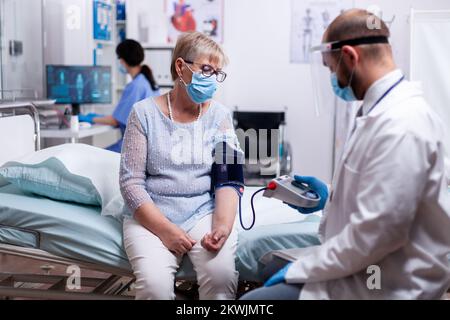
<point>201,88</point>
<point>122,69</point>
<point>346,93</point>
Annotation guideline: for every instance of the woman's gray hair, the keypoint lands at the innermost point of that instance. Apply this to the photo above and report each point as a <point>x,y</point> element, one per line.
<point>192,45</point>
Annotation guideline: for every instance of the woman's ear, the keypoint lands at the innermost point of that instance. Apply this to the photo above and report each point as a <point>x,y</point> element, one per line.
<point>179,64</point>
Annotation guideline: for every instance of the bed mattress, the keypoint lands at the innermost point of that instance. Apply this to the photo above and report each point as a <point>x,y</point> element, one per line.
<point>80,233</point>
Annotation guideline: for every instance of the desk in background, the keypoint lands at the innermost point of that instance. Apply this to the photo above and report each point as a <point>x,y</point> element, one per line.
<point>74,137</point>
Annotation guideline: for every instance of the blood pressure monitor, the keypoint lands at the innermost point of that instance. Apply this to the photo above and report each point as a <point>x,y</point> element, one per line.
<point>292,192</point>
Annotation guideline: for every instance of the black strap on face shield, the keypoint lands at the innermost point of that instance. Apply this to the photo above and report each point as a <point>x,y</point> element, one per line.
<point>360,41</point>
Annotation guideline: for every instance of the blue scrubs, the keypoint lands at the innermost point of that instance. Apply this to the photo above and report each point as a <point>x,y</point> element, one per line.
<point>137,90</point>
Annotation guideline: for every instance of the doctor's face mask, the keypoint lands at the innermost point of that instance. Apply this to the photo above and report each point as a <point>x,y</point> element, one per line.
<point>346,93</point>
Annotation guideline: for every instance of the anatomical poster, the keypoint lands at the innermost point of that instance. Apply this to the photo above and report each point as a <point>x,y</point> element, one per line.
<point>310,19</point>
<point>102,20</point>
<point>205,16</point>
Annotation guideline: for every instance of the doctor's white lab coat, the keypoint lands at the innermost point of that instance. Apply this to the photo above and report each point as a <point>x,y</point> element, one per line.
<point>389,207</point>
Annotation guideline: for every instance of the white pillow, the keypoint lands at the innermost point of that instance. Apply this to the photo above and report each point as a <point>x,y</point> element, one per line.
<point>71,172</point>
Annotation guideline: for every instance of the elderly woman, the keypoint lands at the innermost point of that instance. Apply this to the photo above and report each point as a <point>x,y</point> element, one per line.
<point>165,180</point>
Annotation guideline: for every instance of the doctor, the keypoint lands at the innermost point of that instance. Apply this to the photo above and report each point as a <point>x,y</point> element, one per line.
<point>131,56</point>
<point>386,227</point>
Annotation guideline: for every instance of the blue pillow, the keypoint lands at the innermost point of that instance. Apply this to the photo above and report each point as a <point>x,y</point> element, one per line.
<point>51,179</point>
<point>3,182</point>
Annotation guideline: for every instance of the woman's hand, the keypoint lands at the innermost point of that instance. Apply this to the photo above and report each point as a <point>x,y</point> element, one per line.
<point>177,241</point>
<point>223,219</point>
<point>174,238</point>
<point>215,240</point>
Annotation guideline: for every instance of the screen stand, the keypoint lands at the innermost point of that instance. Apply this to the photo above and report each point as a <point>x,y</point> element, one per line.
<point>76,109</point>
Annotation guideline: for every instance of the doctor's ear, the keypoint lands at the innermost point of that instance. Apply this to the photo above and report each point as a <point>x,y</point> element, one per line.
<point>351,54</point>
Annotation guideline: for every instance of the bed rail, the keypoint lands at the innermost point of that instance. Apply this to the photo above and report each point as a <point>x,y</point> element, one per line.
<point>16,285</point>
<point>12,109</point>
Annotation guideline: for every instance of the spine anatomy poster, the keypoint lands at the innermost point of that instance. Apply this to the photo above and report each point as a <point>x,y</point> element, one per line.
<point>310,19</point>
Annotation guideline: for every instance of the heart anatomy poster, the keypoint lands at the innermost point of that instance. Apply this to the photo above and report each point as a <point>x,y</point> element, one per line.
<point>205,16</point>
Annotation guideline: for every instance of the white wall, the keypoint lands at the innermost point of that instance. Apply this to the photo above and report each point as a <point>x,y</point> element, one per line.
<point>257,40</point>
<point>146,21</point>
<point>431,65</point>
<point>400,28</point>
<point>68,28</point>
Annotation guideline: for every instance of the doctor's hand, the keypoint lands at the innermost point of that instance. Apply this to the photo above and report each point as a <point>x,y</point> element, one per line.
<point>214,241</point>
<point>89,118</point>
<point>278,277</point>
<point>177,240</point>
<point>317,186</point>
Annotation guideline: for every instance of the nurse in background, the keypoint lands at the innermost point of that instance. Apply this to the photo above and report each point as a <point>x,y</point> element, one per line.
<point>131,56</point>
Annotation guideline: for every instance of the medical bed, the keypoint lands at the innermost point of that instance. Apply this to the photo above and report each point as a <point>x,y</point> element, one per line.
<point>70,234</point>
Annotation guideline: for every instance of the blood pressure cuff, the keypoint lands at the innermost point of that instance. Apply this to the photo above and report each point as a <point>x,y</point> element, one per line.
<point>227,169</point>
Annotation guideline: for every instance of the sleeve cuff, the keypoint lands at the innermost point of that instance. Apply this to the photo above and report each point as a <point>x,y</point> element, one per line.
<point>134,203</point>
<point>239,189</point>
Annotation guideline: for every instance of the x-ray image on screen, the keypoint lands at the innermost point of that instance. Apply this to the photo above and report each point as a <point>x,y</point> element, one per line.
<point>79,85</point>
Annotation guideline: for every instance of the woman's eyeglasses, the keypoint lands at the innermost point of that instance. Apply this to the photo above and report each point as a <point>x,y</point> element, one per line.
<point>208,71</point>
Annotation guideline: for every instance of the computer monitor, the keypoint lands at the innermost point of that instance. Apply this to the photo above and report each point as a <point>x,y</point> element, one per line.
<point>79,85</point>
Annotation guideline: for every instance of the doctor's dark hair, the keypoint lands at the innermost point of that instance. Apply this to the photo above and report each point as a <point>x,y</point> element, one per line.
<point>133,54</point>
<point>358,23</point>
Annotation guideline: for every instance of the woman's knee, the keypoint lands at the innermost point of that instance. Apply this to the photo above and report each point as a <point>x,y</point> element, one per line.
<point>155,286</point>
<point>219,273</point>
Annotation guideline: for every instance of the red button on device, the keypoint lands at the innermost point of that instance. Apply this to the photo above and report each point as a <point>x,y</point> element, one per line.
<point>272,186</point>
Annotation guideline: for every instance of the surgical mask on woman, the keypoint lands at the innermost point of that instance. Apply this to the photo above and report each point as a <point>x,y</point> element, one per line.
<point>122,69</point>
<point>201,88</point>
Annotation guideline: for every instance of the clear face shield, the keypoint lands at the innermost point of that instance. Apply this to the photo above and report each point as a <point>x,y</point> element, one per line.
<point>321,60</point>
<point>326,60</point>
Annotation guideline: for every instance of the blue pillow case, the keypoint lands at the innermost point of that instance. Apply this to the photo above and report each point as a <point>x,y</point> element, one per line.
<point>51,179</point>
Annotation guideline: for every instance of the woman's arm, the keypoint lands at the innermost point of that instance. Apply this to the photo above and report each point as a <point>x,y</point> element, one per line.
<point>226,198</point>
<point>108,120</point>
<point>223,219</point>
<point>133,166</point>
<point>226,206</point>
<point>133,175</point>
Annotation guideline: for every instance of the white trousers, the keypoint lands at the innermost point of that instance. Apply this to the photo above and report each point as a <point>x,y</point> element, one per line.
<point>155,266</point>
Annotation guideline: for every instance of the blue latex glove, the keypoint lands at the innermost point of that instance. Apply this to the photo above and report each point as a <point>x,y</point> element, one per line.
<point>319,187</point>
<point>88,118</point>
<point>278,277</point>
